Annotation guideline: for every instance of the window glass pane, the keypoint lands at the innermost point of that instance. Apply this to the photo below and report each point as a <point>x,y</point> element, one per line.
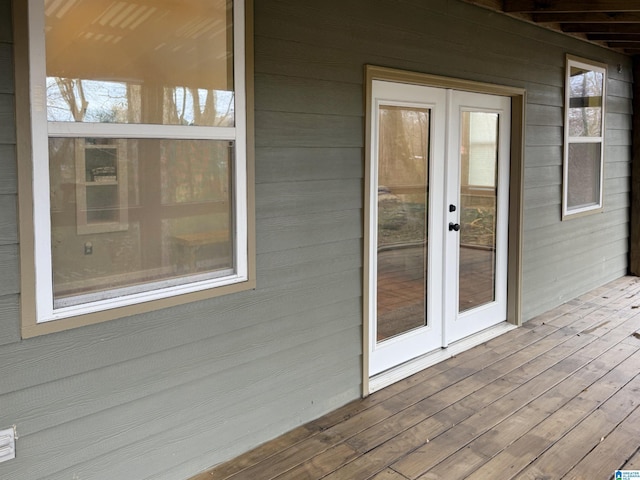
<point>138,214</point>
<point>585,102</point>
<point>162,62</point>
<point>583,176</point>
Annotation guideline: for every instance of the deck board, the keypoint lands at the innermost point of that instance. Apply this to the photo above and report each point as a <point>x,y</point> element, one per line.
<point>556,398</point>
<point>634,462</point>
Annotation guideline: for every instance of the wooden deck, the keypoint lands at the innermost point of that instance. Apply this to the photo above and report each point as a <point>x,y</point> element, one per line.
<point>557,398</point>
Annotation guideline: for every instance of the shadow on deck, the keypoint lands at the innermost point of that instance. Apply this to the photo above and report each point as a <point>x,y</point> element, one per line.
<point>557,398</point>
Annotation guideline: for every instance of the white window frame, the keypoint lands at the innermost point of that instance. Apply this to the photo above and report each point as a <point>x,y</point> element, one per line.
<point>41,130</point>
<point>567,212</point>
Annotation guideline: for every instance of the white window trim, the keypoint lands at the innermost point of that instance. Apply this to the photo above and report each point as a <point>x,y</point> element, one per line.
<point>41,129</point>
<point>567,213</point>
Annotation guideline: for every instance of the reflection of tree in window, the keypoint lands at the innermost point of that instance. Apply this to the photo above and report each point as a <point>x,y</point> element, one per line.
<point>194,171</point>
<point>403,145</point>
<point>84,100</point>
<point>197,106</point>
<point>585,103</point>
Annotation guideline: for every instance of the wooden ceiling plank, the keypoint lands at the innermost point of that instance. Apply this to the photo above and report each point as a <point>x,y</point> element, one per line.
<point>598,21</point>
<point>568,6</point>
<point>610,37</point>
<point>628,45</point>
<point>586,17</point>
<point>617,28</point>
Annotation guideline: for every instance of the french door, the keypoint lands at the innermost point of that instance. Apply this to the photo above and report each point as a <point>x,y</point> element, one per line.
<point>439,208</point>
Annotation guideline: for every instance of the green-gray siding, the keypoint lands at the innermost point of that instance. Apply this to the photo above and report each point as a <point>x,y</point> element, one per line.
<point>166,394</point>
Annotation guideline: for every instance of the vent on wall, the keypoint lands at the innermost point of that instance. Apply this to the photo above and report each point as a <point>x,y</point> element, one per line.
<point>7,444</point>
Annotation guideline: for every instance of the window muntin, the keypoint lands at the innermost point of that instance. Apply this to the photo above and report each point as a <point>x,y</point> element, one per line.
<point>145,168</point>
<point>584,137</point>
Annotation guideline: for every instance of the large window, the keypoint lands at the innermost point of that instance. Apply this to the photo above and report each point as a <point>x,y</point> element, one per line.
<point>139,151</point>
<point>583,137</point>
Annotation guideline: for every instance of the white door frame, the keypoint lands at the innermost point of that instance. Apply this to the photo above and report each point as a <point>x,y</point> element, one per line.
<point>515,201</point>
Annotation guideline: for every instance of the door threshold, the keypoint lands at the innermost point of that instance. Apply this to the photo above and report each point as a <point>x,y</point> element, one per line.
<point>393,375</point>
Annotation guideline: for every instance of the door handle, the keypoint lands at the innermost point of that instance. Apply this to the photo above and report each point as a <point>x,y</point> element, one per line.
<point>454,226</point>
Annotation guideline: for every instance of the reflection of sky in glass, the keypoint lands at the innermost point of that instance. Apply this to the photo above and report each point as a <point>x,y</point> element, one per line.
<point>104,99</point>
<point>108,102</point>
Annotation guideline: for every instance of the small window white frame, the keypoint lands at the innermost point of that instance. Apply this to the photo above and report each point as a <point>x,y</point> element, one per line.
<point>39,225</point>
<point>567,211</point>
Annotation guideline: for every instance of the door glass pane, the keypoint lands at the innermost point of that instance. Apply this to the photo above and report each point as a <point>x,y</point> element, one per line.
<point>403,161</point>
<point>478,200</point>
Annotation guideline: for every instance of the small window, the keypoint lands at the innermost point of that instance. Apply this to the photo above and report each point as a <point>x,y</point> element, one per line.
<point>583,137</point>
<point>139,151</point>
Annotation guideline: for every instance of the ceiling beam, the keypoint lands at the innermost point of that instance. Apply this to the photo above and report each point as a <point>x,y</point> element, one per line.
<point>586,17</point>
<point>569,6</point>
<point>610,28</point>
<point>628,45</point>
<point>610,37</point>
<point>604,22</point>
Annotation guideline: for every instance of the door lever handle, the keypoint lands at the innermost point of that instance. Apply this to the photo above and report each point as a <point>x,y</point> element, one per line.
<point>454,227</point>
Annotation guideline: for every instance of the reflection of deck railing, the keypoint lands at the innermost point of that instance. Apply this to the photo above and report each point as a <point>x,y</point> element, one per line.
<point>400,245</point>
<point>407,189</point>
<point>477,217</point>
<point>402,225</point>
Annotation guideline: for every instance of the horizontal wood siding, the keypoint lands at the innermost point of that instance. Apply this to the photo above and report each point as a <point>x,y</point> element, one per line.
<point>634,235</point>
<point>166,394</point>
<point>9,271</point>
